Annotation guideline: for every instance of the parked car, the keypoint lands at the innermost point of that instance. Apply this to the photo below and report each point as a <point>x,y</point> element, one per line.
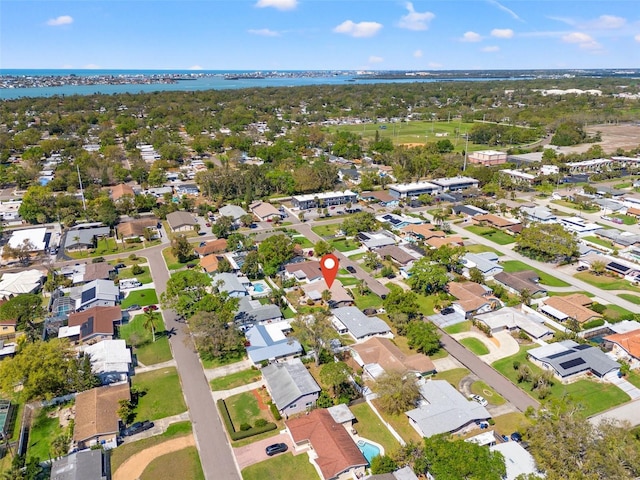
<point>276,448</point>
<point>582,268</point>
<point>516,436</point>
<point>447,311</point>
<point>119,265</point>
<point>207,224</point>
<point>350,269</point>
<point>480,399</point>
<point>150,308</point>
<point>133,307</point>
<point>137,428</point>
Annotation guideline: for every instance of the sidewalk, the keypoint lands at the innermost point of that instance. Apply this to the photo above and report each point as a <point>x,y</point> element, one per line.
<point>218,394</point>
<point>149,368</point>
<point>225,370</point>
<point>623,385</point>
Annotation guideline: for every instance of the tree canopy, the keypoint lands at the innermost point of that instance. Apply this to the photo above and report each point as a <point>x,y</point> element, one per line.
<point>273,252</point>
<point>547,242</point>
<point>427,277</point>
<point>23,309</point>
<point>397,392</point>
<point>185,290</point>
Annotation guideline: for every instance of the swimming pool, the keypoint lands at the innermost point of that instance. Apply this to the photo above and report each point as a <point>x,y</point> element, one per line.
<point>368,450</point>
<point>258,287</point>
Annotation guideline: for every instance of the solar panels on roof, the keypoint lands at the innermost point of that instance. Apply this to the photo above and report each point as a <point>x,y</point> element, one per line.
<point>88,295</point>
<point>560,354</point>
<point>572,363</point>
<point>582,347</point>
<point>618,267</point>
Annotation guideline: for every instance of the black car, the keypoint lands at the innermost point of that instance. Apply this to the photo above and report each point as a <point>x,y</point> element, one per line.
<point>276,448</point>
<point>516,436</point>
<point>137,428</point>
<point>447,311</point>
<point>117,266</point>
<point>350,269</point>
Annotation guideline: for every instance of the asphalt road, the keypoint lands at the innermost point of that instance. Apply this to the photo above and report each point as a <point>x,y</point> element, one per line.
<point>489,375</point>
<point>216,455</point>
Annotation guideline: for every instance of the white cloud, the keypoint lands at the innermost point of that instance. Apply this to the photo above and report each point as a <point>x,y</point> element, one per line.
<point>471,37</point>
<point>358,30</point>
<point>491,48</point>
<point>278,4</point>
<point>434,65</point>
<point>417,54</point>
<point>607,22</point>
<point>505,9</point>
<point>581,39</point>
<point>415,20</point>
<point>61,20</point>
<point>195,67</point>
<point>92,66</point>
<point>637,38</point>
<point>375,59</point>
<point>264,32</point>
<point>502,33</point>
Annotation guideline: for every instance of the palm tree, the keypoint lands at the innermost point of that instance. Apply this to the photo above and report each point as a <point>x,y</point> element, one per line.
<point>149,323</point>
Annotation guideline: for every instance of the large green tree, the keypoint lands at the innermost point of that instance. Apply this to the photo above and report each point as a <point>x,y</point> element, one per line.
<point>397,392</point>
<point>547,242</point>
<point>24,309</point>
<point>360,222</point>
<point>181,248</point>
<point>315,331</point>
<point>213,330</point>
<point>423,336</point>
<point>185,290</point>
<point>427,277</point>
<point>273,252</point>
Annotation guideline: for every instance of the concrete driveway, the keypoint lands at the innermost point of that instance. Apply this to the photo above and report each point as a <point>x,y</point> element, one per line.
<point>501,345</point>
<point>255,452</point>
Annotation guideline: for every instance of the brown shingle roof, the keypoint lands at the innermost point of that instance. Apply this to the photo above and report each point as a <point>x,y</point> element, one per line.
<point>520,281</point>
<point>96,320</point>
<point>386,354</point>
<point>120,190</point>
<point>336,450</point>
<point>422,230</point>
<point>396,253</point>
<point>629,341</point>
<point>494,220</point>
<point>438,242</point>
<point>263,210</point>
<point>209,263</point>
<point>97,271</point>
<point>573,306</point>
<point>213,246</point>
<point>338,293</point>
<point>135,228</point>
<point>310,270</point>
<point>381,195</point>
<point>96,411</point>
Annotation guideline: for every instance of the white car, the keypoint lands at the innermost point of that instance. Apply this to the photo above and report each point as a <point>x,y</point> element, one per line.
<point>481,400</point>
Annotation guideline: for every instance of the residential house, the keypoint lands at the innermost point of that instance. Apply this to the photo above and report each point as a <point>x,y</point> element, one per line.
<point>373,240</point>
<point>625,346</point>
<point>137,228</point>
<point>81,238</point>
<point>270,343</point>
<point>415,189</point>
<point>418,232</point>
<point>251,312</point>
<point>569,360</point>
<point>92,325</point>
<point>336,453</point>
<point>437,241</point>
<point>187,189</point>
<point>351,320</point>
<point>339,295</point>
<point>397,222</point>
<point>97,421</point>
<point>212,246</point>
<point>323,199</point>
<point>233,211</point>
<point>291,386</point>
<point>516,319</point>
<point>578,225</point>
<point>26,281</point>
<point>518,282</point>
<point>518,176</point>
<point>231,284</point>
<point>519,462</point>
<point>468,210</point>
<point>486,262</point>
<point>210,263</point>
<point>96,293</point>
<point>620,239</point>
<point>181,221</point>
<point>379,355</point>
<point>472,298</point>
<point>39,238</point>
<point>444,410</point>
<point>452,184</point>
<point>383,197</point>
<point>110,360</point>
<point>265,211</point>
<point>84,465</point>
<point>487,157</point>
<point>350,175</point>
<point>7,330</point>
<point>98,271</point>
<point>494,221</point>
<point>574,306</point>
<point>304,271</point>
<point>119,191</point>
<point>399,255</point>
<point>538,214</point>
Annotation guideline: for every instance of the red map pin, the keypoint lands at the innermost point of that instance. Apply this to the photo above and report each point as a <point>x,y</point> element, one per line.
<point>329,266</point>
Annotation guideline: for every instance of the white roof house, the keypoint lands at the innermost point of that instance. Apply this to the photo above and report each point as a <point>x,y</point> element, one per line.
<point>110,360</point>
<point>514,318</point>
<point>27,281</point>
<point>357,324</point>
<point>233,211</point>
<point>37,236</point>
<point>517,460</point>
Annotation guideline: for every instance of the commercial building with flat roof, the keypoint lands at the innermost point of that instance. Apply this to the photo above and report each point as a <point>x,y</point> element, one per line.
<point>451,184</point>
<point>414,189</point>
<point>323,199</point>
<point>487,157</point>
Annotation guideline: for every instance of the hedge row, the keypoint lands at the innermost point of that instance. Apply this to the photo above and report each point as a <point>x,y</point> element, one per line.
<point>274,411</point>
<point>228,423</point>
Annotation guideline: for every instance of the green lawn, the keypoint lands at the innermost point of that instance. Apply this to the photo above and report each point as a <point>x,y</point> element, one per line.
<point>184,463</point>
<point>477,248</point>
<point>454,377</point>
<point>326,230</point>
<point>400,424</point>
<point>594,396</point>
<point>564,294</point>
<point>144,277</point>
<point>236,379</point>
<point>127,450</point>
<point>369,426</point>
<point>220,362</point>
<point>144,297</point>
<point>109,247</point>
<point>475,345</point>
<point>303,241</point>
<point>344,244</point>
<point>630,298</point>
<point>426,303</point>
<point>458,327</point>
<point>282,467</point>
<point>492,234</point>
<point>605,282</point>
<point>493,397</point>
<point>576,206</point>
<point>43,431</point>
<point>147,351</point>
<point>244,408</point>
<point>370,300</point>
<point>634,378</point>
<point>511,422</point>
<point>163,397</point>
<point>172,262</point>
<point>599,241</point>
<point>626,219</point>
<point>347,280</point>
<point>511,266</point>
<point>616,311</point>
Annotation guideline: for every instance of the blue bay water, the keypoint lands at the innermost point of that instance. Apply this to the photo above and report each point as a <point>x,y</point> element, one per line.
<point>203,80</point>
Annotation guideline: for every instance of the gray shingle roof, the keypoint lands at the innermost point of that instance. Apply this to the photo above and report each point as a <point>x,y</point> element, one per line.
<point>264,347</point>
<point>569,358</point>
<point>289,381</point>
<point>358,324</point>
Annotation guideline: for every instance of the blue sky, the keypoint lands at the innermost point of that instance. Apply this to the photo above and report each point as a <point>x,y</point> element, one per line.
<point>320,34</point>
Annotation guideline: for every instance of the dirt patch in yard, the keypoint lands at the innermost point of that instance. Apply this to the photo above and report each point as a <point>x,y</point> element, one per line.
<point>135,465</point>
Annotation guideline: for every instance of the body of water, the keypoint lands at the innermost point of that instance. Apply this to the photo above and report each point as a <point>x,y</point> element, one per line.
<point>197,81</point>
<point>368,450</point>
